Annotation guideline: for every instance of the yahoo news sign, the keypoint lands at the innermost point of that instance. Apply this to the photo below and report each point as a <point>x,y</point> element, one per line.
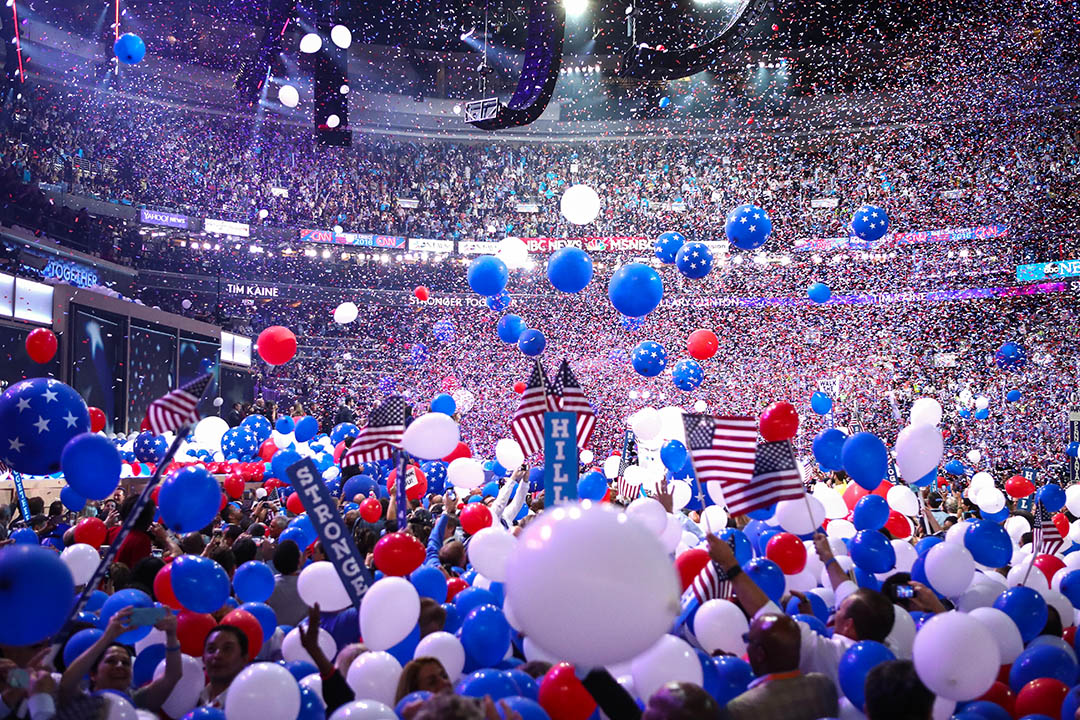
<point>162,218</point>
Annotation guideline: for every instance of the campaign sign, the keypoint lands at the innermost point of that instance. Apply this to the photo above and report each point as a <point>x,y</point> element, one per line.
<point>560,457</point>
<point>336,540</point>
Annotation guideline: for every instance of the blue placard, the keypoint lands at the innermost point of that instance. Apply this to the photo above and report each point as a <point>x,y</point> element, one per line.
<point>560,457</point>
<point>20,493</point>
<point>337,542</point>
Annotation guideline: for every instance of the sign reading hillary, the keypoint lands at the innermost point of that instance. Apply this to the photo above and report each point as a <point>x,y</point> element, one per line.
<point>560,457</point>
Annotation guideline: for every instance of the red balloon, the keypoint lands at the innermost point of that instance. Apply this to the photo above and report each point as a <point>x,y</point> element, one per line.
<point>519,387</point>
<point>294,505</point>
<point>690,564</point>
<point>192,629</point>
<point>701,344</point>
<point>41,345</point>
<point>163,591</point>
<point>415,482</point>
<point>339,450</point>
<point>462,450</point>
<point>1041,696</point>
<point>398,553</point>
<point>853,493</point>
<point>787,551</point>
<point>1049,564</point>
<point>563,695</point>
<point>136,469</point>
<point>371,510</point>
<point>1069,635</point>
<point>248,625</point>
<point>267,449</point>
<point>276,345</point>
<point>91,531</point>
<point>97,419</point>
<point>1000,694</point>
<point>475,517</point>
<point>1061,523</point>
<point>780,421</point>
<point>1019,486</point>
<point>453,586</point>
<point>234,486</point>
<point>421,293</point>
<point>898,525</point>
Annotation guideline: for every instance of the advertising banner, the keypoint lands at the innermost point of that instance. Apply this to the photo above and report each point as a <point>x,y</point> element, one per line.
<point>226,227</point>
<point>389,242</point>
<point>897,239</point>
<point>162,218</point>
<point>1048,271</point>
<point>443,247</point>
<point>254,290</point>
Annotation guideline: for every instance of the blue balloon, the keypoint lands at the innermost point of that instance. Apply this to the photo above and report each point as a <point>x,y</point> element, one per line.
<point>79,642</point>
<point>510,327</point>
<point>865,459</point>
<point>199,583</point>
<point>988,543</point>
<point>527,686</point>
<point>146,662</point>
<point>205,713</point>
<point>189,499</point>
<point>687,375</point>
<point>119,600</point>
<point>828,446</point>
<point>487,275</point>
<point>1039,661</point>
<point>982,710</point>
<point>735,676</point>
<point>635,289</point>
<point>499,302</point>
<point>306,428</point>
<point>856,664</point>
<point>872,552</point>
<point>820,403</point>
<point>281,461</point>
<point>819,293</point>
<point>982,414</point>
<point>763,513</point>
<point>147,448</point>
<point>1073,449</point>
<point>743,551</point>
<point>817,606</point>
<point>259,426</point>
<point>129,48</point>
<point>25,536</point>
<point>416,696</point>
<point>592,486</point>
<point>964,413</point>
<point>813,621</point>
<point>694,260</point>
<point>496,683</point>
<point>403,652</point>
<point>312,706</point>
<point>253,582</point>
<point>303,525</point>
<point>768,576</point>
<point>265,615</point>
<point>491,489</point>
<point>649,358</point>
<point>285,425</point>
<point>36,593</point>
<point>96,601</point>
<point>570,269</point>
<point>1010,356</point>
<point>471,598</point>
<point>453,617</point>
<point>443,329</point>
<point>1013,396</point>
<point>870,223</point>
<point>954,467</point>
<point>871,513</point>
<point>667,246</point>
<point>923,546</point>
<point>1051,496</point>
<point>429,582</point>
<point>531,342</point>
<point>37,419</point>
<point>527,708</point>
<point>358,485</point>
<point>674,455</point>
<point>1070,587</point>
<point>485,634</point>
<point>342,431</point>
<point>631,323</point>
<point>866,579</point>
<point>299,669</point>
<point>72,500</point>
<point>1069,707</point>
<point>1027,609</point>
<point>748,227</point>
<point>443,403</point>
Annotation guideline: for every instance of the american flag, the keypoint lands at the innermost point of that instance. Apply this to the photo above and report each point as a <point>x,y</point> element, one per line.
<point>711,583</point>
<point>776,478</point>
<point>1044,533</point>
<point>381,436</point>
<point>571,399</point>
<point>177,408</point>
<point>527,425</point>
<point>721,449</point>
<point>623,487</point>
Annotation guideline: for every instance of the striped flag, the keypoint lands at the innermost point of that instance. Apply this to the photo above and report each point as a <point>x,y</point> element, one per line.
<point>711,583</point>
<point>623,487</point>
<point>776,478</point>
<point>1044,533</point>
<point>527,425</point>
<point>177,408</point>
<point>721,449</point>
<point>378,439</point>
<point>572,399</point>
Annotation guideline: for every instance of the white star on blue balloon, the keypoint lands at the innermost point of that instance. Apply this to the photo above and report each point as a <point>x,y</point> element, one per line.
<point>748,227</point>
<point>37,418</point>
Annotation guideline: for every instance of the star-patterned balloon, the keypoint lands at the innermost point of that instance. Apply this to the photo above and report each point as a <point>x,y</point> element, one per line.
<point>1010,356</point>
<point>443,330</point>
<point>667,246</point>
<point>498,303</point>
<point>435,471</point>
<point>649,358</point>
<point>37,418</point>
<point>870,223</point>
<point>342,431</point>
<point>239,443</point>
<point>687,375</point>
<point>694,260</point>
<point>260,427</point>
<point>149,447</point>
<point>748,227</point>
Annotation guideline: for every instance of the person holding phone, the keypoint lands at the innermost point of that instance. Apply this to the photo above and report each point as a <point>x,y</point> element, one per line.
<point>109,663</point>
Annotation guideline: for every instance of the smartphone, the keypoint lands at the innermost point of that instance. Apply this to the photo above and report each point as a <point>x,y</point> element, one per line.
<point>18,678</point>
<point>904,591</point>
<point>146,616</point>
<point>282,494</point>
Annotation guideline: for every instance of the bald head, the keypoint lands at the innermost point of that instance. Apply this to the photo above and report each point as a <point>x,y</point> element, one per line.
<point>773,644</point>
<point>681,701</point>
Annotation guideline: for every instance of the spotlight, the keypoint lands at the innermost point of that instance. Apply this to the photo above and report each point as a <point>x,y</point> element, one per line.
<point>575,8</point>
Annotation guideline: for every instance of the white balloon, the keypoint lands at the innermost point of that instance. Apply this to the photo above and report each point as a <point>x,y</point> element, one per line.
<point>465,473</point>
<point>720,625</point>
<point>905,555</point>
<point>513,252</point>
<point>282,440</point>
<point>700,406</point>
<point>569,564</point>
<point>611,467</point>
<point>979,595</point>
<point>949,568</point>
<point>668,660</point>
<point>1059,602</point>
<point>990,500</point>
<point>955,534</point>
<point>1016,526</point>
<point>840,529</point>
<point>1072,499</point>
<point>310,43</point>
<point>263,691</point>
<point>955,656</point>
<point>1004,631</point>
<point>82,560</point>
<point>649,512</point>
<point>445,648</point>
<point>903,500</point>
<point>800,516</point>
<point>580,204</point>
<point>118,707</point>
<point>981,403</point>
<point>803,581</point>
<point>534,652</point>
<point>490,551</point>
<point>185,694</point>
<point>389,612</point>
<point>346,312</point>
<point>209,431</point>
<point>835,507</point>
<point>364,710</point>
<point>341,36</point>
<point>974,456</point>
<point>320,583</point>
<point>293,649</point>
<point>508,453</point>
<point>713,519</point>
<point>645,423</point>
<point>902,636</point>
<point>926,411</point>
<point>313,682</point>
<point>431,436</point>
<point>672,534</point>
<point>1034,579</point>
<point>918,451</point>
<point>586,456</point>
<point>680,494</point>
<point>374,675</point>
<point>289,96</point>
<point>672,426</point>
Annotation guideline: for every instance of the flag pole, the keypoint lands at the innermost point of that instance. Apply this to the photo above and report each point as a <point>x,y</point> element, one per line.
<point>1034,550</point>
<point>402,498</point>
